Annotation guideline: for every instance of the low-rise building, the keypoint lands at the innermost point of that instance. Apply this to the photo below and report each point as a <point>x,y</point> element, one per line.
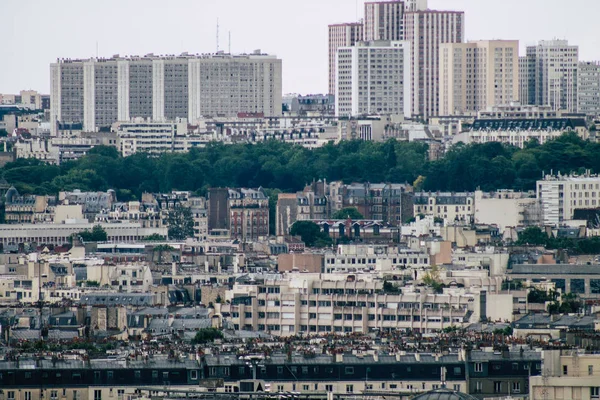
<point>449,206</point>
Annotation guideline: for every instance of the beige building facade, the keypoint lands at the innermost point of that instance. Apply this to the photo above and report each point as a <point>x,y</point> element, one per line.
<point>476,75</point>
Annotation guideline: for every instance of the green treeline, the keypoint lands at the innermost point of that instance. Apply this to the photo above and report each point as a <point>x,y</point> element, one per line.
<point>287,167</point>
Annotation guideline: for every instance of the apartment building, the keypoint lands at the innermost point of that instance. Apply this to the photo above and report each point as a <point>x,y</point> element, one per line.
<point>566,374</point>
<point>516,110</point>
<point>155,138</point>
<point>588,88</point>
<point>384,20</point>
<point>452,207</point>
<point>301,206</point>
<point>244,212</point>
<point>341,35</point>
<point>97,92</point>
<point>390,203</point>
<point>517,132</point>
<point>426,30</point>
<point>325,376</point>
<point>310,304</point>
<point>373,78</point>
<point>20,209</point>
<point>552,69</point>
<point>561,195</point>
<point>381,258</point>
<point>476,75</point>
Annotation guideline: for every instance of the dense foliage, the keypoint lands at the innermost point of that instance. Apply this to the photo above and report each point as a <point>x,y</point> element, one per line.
<point>206,335</point>
<point>534,236</point>
<point>97,234</point>
<point>311,234</point>
<point>288,167</point>
<point>348,212</point>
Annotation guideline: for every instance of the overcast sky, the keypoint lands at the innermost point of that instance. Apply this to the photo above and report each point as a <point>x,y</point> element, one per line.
<point>36,32</point>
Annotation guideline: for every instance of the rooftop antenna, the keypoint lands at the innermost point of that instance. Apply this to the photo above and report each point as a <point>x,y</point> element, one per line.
<point>96,49</point>
<point>229,42</point>
<point>217,35</point>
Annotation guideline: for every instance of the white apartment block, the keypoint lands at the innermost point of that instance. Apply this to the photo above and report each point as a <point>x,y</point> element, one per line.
<point>552,68</point>
<point>341,35</point>
<point>561,195</point>
<point>155,138</point>
<point>363,258</point>
<point>374,78</point>
<point>476,75</point>
<point>97,92</point>
<point>60,234</point>
<point>426,30</point>
<point>314,304</point>
<point>588,88</point>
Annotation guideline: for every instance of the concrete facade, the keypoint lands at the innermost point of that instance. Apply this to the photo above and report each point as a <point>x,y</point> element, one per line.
<point>477,75</point>
<point>98,92</point>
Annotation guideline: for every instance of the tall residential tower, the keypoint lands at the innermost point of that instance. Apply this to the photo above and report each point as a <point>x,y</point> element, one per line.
<point>341,35</point>
<point>95,92</point>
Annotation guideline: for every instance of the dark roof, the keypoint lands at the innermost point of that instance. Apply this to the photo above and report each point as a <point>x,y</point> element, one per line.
<point>545,321</point>
<point>443,394</point>
<point>554,269</point>
<point>554,124</point>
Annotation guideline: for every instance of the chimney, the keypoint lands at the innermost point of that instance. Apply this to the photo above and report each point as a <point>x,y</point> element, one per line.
<point>339,358</point>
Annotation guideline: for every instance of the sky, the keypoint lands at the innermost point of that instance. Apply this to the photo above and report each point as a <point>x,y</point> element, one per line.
<point>37,32</point>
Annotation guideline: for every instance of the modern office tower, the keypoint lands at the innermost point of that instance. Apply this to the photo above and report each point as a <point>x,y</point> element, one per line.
<point>588,88</point>
<point>341,35</point>
<point>95,92</point>
<point>552,74</point>
<point>374,78</point>
<point>477,75</point>
<point>426,30</point>
<point>384,20</point>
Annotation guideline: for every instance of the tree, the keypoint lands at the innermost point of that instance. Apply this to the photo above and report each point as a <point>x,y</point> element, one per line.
<point>432,279</point>
<point>180,223</point>
<point>310,233</point>
<point>97,234</point>
<point>348,212</point>
<point>207,335</point>
<point>532,236</point>
<point>155,237</point>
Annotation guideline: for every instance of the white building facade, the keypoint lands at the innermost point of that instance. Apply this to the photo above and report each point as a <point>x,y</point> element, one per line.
<point>374,78</point>
<point>97,92</point>
<point>561,195</point>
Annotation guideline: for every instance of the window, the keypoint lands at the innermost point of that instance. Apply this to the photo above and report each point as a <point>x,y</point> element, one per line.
<point>590,370</point>
<point>27,395</point>
<point>478,367</point>
<point>349,388</point>
<point>497,387</point>
<point>478,387</point>
<point>595,392</point>
<point>54,394</point>
<point>97,394</point>
<point>516,387</point>
<point>456,388</point>
<point>120,393</point>
<point>194,375</point>
<point>329,388</point>
<point>349,370</point>
<point>10,395</point>
<point>305,388</point>
<point>565,370</point>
